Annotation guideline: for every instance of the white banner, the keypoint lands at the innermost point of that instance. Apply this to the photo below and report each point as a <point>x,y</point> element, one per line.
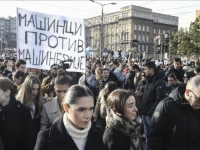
<point>44,39</point>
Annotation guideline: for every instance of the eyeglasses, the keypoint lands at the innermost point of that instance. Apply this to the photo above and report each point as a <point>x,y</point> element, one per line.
<point>61,91</point>
<point>55,68</point>
<point>198,98</point>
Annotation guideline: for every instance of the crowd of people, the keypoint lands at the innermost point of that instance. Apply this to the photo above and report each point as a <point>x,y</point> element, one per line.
<point>117,104</point>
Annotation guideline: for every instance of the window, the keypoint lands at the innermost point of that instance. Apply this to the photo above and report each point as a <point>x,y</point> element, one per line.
<point>123,27</point>
<point>116,29</point>
<point>143,48</point>
<point>138,47</point>
<point>159,31</point>
<point>135,27</point>
<point>147,28</point>
<point>143,28</point>
<point>111,20</point>
<point>1,23</point>
<point>147,38</point>
<point>139,37</point>
<point>139,27</point>
<point>126,27</point>
<point>117,38</point>
<point>126,36</point>
<point>134,36</point>
<point>112,39</point>
<point>154,31</point>
<point>147,48</point>
<point>112,30</point>
<point>163,31</point>
<point>143,38</point>
<point>172,32</point>
<point>1,28</point>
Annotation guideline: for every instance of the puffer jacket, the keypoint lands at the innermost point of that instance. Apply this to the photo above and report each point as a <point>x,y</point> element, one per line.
<point>101,105</point>
<point>175,125</point>
<point>154,92</point>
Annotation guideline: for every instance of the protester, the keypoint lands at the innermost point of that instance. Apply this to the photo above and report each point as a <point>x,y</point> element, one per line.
<point>88,79</point>
<point>74,130</point>
<point>53,109</point>
<point>30,94</point>
<point>16,125</point>
<point>140,87</point>
<point>172,83</point>
<point>175,122</point>
<point>101,106</point>
<point>176,69</point>
<point>122,131</point>
<point>188,75</point>
<point>18,78</point>
<point>48,82</point>
<point>8,66</point>
<point>154,92</point>
<point>129,80</point>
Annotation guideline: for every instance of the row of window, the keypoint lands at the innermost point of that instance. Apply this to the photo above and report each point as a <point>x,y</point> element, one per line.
<point>166,21</point>
<point>141,38</point>
<point>162,31</point>
<point>142,15</point>
<point>140,27</point>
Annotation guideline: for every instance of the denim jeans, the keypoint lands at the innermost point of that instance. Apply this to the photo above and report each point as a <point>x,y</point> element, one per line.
<point>147,122</point>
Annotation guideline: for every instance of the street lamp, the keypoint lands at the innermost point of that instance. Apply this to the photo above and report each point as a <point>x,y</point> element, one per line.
<point>101,46</point>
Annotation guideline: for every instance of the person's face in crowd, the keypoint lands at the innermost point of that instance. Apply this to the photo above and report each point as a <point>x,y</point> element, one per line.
<point>171,81</point>
<point>130,109</point>
<point>17,81</point>
<point>80,113</point>
<point>135,70</point>
<point>143,78</point>
<point>193,98</point>
<point>177,65</point>
<point>97,65</point>
<point>4,95</point>
<point>35,90</point>
<point>9,63</point>
<point>148,71</point>
<point>185,78</point>
<point>54,70</point>
<point>106,90</point>
<point>22,67</point>
<point>107,67</point>
<point>105,74</point>
<point>61,90</point>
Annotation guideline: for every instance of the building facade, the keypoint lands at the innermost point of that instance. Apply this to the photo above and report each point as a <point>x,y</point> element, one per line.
<point>8,32</point>
<point>129,23</point>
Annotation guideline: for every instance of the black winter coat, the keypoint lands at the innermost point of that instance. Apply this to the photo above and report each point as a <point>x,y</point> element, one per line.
<point>16,127</point>
<point>179,73</point>
<point>57,138</point>
<point>154,92</point>
<point>129,80</point>
<point>175,125</point>
<point>115,140</point>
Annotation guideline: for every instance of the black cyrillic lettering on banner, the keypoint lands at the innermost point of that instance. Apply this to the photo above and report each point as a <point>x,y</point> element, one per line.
<point>61,26</point>
<point>32,21</point>
<point>70,28</point>
<point>35,62</point>
<point>40,38</point>
<point>52,24</point>
<point>70,46</point>
<point>26,37</point>
<point>20,53</point>
<point>20,18</point>
<point>81,62</point>
<point>57,59</point>
<point>40,27</point>
<point>62,40</point>
<point>45,57</point>
<point>80,46</point>
<point>56,41</point>
<point>76,30</point>
<point>28,56</point>
<point>50,58</point>
<point>64,57</point>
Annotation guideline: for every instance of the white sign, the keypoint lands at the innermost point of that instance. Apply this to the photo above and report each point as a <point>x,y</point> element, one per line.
<point>116,54</point>
<point>44,39</point>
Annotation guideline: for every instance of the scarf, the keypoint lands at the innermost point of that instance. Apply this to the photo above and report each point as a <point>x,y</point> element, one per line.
<point>126,127</point>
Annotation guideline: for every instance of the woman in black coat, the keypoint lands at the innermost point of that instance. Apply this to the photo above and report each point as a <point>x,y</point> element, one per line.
<point>16,125</point>
<point>122,131</point>
<point>73,131</point>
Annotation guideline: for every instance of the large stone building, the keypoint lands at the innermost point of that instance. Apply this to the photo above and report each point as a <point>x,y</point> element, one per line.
<point>8,32</point>
<point>129,23</point>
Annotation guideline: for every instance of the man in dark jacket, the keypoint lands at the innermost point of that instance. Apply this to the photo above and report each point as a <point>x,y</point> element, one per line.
<point>176,120</point>
<point>176,69</point>
<point>154,92</point>
<point>129,80</point>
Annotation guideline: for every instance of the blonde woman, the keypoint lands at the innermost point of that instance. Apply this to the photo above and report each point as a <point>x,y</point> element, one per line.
<point>30,94</point>
<point>98,73</point>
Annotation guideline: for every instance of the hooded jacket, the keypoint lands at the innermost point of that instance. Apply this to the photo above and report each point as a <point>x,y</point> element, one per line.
<point>179,73</point>
<point>175,125</point>
<point>154,92</point>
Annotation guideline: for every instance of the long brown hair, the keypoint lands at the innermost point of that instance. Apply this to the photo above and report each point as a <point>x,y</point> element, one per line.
<point>25,93</point>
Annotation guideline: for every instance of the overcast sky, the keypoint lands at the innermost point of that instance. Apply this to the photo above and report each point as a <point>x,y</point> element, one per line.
<point>86,9</point>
